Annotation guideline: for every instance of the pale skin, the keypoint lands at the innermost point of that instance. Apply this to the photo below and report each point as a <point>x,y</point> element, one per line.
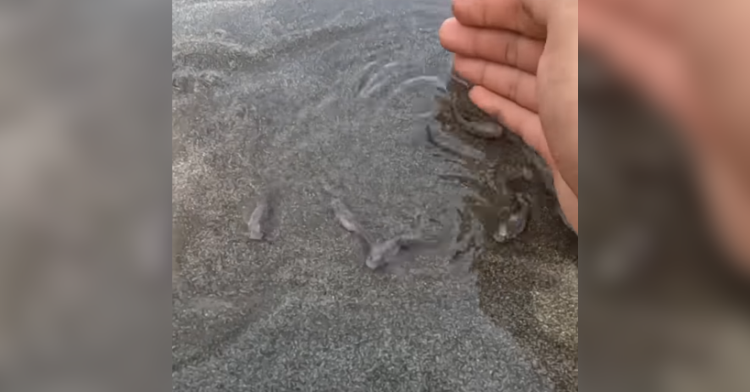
<point>522,57</point>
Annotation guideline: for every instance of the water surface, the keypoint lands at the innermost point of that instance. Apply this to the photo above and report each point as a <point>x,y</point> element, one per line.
<point>297,94</point>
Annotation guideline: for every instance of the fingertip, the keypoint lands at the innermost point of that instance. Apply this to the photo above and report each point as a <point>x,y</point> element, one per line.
<point>448,23</point>
<point>446,31</point>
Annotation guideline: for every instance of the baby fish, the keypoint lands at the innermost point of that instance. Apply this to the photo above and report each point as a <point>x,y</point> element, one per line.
<point>381,252</point>
<point>480,129</point>
<point>257,219</point>
<point>349,222</point>
<point>345,216</point>
<point>384,255</point>
<point>394,251</point>
<point>515,224</point>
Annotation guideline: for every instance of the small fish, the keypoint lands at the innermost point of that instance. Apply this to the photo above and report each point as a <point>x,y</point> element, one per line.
<point>379,256</point>
<point>345,216</point>
<point>463,82</point>
<point>257,219</point>
<point>480,129</point>
<point>349,222</point>
<point>389,254</point>
<point>381,252</point>
<point>515,224</point>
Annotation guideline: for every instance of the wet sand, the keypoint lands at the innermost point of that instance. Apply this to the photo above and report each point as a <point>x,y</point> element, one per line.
<point>257,105</point>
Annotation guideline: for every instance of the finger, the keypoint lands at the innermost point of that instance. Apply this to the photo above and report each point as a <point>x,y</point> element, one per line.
<point>517,119</point>
<point>651,64</point>
<point>497,46</point>
<point>508,82</point>
<point>498,14</point>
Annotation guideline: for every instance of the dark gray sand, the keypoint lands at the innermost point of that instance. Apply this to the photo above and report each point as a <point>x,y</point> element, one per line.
<point>297,95</point>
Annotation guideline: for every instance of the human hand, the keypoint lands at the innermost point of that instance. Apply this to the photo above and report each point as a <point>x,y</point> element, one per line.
<point>522,57</point>
<point>687,58</point>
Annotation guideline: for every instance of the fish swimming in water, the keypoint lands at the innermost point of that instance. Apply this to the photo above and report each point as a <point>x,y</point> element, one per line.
<point>346,217</point>
<point>516,222</point>
<point>348,221</point>
<point>381,252</point>
<point>480,129</point>
<point>390,254</point>
<point>257,219</point>
<point>385,255</point>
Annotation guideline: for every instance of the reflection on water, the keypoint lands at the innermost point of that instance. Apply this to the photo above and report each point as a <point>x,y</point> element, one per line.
<point>279,94</point>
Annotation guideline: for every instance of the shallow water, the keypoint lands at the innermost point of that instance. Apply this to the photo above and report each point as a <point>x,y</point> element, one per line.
<point>299,94</point>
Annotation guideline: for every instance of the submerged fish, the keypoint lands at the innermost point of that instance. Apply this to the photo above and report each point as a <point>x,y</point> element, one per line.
<point>382,252</point>
<point>395,251</point>
<point>384,255</point>
<point>345,216</point>
<point>516,222</point>
<point>348,221</point>
<point>257,219</point>
<point>481,129</point>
